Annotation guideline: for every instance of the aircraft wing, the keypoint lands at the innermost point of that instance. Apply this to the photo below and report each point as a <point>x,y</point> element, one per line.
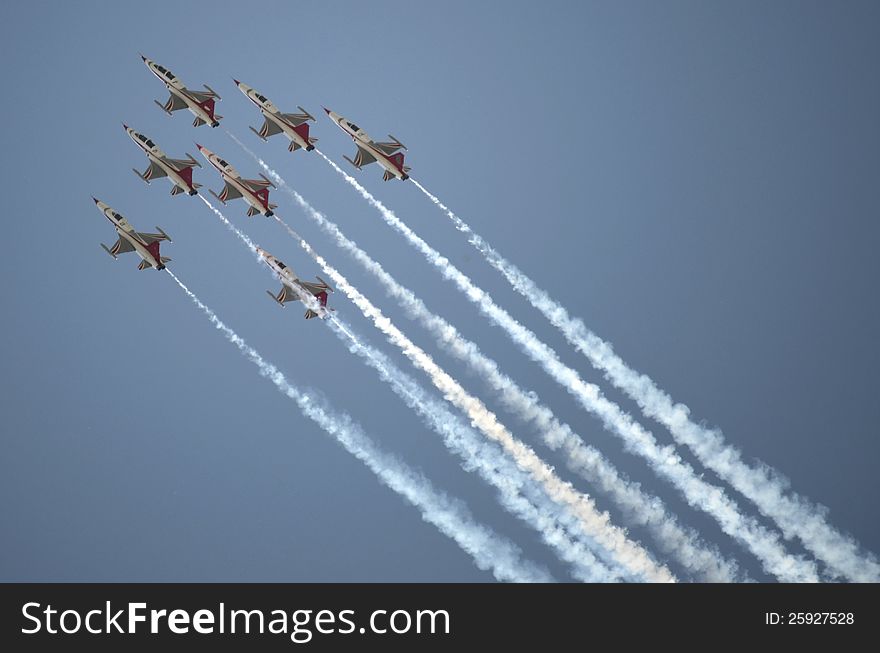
<point>256,184</point>
<point>387,148</point>
<point>152,238</point>
<point>286,295</point>
<point>363,158</point>
<point>201,96</point>
<point>315,288</point>
<point>268,129</point>
<point>180,164</point>
<point>121,246</point>
<point>229,192</point>
<point>295,119</point>
<point>153,172</point>
<point>174,104</point>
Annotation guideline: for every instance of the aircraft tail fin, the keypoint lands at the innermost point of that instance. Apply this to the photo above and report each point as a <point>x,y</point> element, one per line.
<point>303,130</point>
<point>397,159</point>
<point>153,248</point>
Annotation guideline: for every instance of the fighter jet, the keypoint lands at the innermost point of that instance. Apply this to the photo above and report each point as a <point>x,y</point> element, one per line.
<point>254,191</point>
<point>200,103</point>
<point>368,150</point>
<point>178,171</point>
<point>146,245</point>
<point>293,288</point>
<point>292,125</point>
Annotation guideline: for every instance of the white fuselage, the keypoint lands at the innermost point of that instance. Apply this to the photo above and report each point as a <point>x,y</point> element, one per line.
<point>272,113</point>
<point>156,155</point>
<point>288,277</point>
<point>126,231</point>
<point>177,88</point>
<point>286,128</point>
<point>363,139</point>
<point>230,175</point>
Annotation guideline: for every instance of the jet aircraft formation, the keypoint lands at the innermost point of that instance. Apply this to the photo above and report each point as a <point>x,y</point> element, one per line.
<point>255,192</point>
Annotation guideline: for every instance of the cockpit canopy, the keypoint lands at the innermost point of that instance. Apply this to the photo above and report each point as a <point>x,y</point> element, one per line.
<point>168,74</point>
<point>222,162</point>
<point>354,126</point>
<point>146,141</point>
<point>280,264</point>
<point>261,98</point>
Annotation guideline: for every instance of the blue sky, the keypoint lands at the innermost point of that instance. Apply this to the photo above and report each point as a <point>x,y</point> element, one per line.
<point>697,180</point>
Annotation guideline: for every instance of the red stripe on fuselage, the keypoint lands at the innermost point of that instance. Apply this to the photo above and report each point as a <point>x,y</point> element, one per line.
<point>263,196</point>
<point>303,130</point>
<point>187,175</point>
<point>153,248</point>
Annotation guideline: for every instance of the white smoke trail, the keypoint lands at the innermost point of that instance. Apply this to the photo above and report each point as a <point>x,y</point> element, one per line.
<point>764,544</point>
<point>638,508</point>
<point>517,494</point>
<point>489,550</point>
<point>537,511</point>
<point>796,515</point>
<point>596,524</point>
<point>241,236</point>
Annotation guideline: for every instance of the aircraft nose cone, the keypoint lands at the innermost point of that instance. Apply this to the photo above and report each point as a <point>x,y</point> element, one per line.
<point>143,57</point>
<point>125,127</point>
<point>199,146</point>
<point>95,198</point>
<point>327,111</point>
<point>237,83</point>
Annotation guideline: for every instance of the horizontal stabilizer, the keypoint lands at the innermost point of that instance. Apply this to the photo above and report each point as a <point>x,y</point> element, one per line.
<point>176,190</point>
<point>252,212</point>
<point>310,314</point>
<point>387,176</point>
<point>198,122</point>
<point>143,265</point>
